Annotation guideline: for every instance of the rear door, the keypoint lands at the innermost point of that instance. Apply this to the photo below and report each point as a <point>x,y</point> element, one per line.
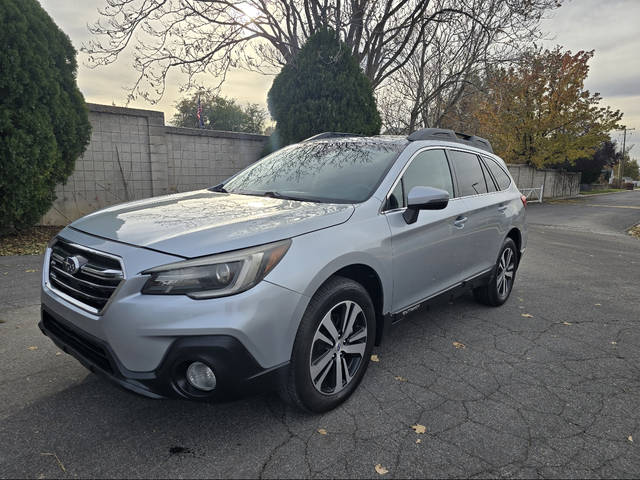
<point>482,211</point>
<point>509,203</point>
<point>426,254</point>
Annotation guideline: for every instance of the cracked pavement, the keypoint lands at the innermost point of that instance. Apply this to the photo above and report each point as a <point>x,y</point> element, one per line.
<point>546,386</point>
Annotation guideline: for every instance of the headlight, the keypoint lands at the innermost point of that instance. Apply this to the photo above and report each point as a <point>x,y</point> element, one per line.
<point>216,275</point>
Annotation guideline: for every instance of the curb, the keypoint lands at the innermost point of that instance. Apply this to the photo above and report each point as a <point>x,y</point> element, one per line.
<point>605,193</point>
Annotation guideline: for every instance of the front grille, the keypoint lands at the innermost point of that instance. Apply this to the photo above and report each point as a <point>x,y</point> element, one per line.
<point>87,276</point>
<point>84,346</point>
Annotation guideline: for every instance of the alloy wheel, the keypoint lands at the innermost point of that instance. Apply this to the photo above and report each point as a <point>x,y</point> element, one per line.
<point>506,269</point>
<point>338,347</point>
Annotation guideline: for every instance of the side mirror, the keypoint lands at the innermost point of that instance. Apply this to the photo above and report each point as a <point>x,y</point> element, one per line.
<point>424,198</point>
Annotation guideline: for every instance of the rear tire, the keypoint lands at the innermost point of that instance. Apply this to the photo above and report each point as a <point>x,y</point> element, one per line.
<point>332,348</point>
<point>503,275</point>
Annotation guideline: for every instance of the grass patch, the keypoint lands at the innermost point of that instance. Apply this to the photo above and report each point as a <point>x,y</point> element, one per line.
<point>635,231</point>
<point>604,190</point>
<point>32,241</point>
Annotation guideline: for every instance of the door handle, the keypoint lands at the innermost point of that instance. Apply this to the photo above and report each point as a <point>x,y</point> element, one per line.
<point>460,221</point>
<point>502,208</point>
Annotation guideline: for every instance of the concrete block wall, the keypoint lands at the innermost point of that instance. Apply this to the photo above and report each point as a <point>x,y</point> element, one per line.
<point>132,155</point>
<point>557,183</point>
<point>201,158</point>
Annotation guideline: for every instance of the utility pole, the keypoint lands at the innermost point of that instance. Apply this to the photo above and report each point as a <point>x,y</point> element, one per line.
<point>624,145</point>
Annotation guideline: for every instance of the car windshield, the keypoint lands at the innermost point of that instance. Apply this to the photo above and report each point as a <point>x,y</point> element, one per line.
<point>321,171</point>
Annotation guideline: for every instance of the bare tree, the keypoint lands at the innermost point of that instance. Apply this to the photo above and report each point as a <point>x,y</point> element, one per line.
<point>450,60</point>
<point>198,36</point>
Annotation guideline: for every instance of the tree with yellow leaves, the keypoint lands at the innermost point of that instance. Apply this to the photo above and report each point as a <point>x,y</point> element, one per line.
<point>538,112</point>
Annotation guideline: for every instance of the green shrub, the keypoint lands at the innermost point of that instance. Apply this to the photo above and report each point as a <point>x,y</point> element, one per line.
<point>44,124</point>
<point>322,89</point>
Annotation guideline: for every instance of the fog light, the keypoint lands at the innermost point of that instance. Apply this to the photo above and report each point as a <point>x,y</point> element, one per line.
<point>201,376</point>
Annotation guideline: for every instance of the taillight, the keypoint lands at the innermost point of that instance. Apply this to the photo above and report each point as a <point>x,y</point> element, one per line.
<point>524,200</point>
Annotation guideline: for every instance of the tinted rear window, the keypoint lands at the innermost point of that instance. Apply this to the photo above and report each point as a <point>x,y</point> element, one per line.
<point>498,173</point>
<point>468,172</point>
<point>491,186</point>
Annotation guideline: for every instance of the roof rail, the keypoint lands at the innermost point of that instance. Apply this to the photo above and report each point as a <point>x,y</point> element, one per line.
<point>322,135</point>
<point>451,136</point>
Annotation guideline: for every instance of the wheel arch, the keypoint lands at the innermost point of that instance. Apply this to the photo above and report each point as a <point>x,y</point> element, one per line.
<point>515,235</point>
<point>368,277</point>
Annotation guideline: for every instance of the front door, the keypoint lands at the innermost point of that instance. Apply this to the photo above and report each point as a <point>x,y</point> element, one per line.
<point>426,254</point>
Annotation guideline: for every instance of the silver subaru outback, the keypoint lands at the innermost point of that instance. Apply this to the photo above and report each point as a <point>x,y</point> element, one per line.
<point>286,275</point>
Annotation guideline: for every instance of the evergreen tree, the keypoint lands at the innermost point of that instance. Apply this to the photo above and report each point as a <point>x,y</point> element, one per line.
<point>44,124</point>
<point>606,155</point>
<point>322,89</point>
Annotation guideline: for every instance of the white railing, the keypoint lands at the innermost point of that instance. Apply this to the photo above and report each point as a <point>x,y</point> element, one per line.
<point>534,195</point>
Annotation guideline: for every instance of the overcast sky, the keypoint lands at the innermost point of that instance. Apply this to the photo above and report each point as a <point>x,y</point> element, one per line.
<point>610,28</point>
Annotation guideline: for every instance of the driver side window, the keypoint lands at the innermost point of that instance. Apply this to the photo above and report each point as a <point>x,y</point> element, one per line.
<point>428,169</point>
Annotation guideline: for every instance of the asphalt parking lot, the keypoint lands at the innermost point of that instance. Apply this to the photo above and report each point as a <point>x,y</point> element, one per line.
<point>546,386</point>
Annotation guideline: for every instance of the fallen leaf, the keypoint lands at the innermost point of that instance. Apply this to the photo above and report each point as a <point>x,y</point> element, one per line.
<point>419,428</point>
<point>630,438</point>
<point>459,345</point>
<point>520,307</point>
<point>614,343</point>
<point>400,379</point>
<point>381,470</point>
<point>322,431</point>
<point>58,354</point>
<point>566,323</point>
<point>28,242</point>
<point>527,315</point>
<point>30,270</point>
<point>32,348</point>
<point>418,440</point>
<point>520,299</point>
<point>374,358</point>
<point>598,304</point>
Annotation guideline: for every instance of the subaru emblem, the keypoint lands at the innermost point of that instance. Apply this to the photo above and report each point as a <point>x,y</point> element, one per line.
<point>71,265</point>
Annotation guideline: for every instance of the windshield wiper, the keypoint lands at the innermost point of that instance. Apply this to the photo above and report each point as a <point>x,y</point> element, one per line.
<point>278,195</point>
<point>282,196</point>
<point>273,194</point>
<point>218,188</point>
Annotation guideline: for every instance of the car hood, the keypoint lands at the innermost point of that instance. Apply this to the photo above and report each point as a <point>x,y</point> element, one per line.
<point>203,222</point>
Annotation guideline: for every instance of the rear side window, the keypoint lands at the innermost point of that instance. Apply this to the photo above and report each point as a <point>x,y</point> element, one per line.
<point>491,186</point>
<point>498,172</point>
<point>469,173</point>
<point>428,169</point>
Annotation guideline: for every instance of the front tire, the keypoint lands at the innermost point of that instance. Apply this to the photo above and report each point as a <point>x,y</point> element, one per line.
<point>500,284</point>
<point>332,347</point>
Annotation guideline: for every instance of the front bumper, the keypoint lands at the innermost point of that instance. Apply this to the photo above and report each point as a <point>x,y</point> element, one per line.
<point>142,341</point>
<point>237,372</point>
<point>140,329</point>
